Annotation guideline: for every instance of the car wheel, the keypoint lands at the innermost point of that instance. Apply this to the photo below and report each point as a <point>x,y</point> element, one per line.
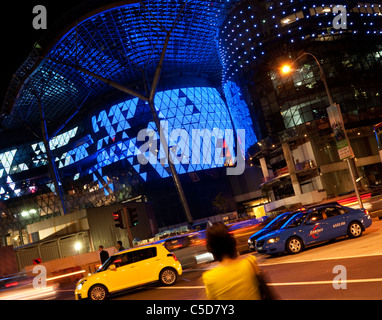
<point>97,292</point>
<point>294,245</point>
<point>168,276</point>
<point>354,229</point>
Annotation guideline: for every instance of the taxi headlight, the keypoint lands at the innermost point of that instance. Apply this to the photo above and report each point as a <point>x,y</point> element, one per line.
<point>79,286</point>
<point>273,240</point>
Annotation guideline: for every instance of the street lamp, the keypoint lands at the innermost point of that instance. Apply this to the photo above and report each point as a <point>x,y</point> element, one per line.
<point>286,69</point>
<point>78,246</point>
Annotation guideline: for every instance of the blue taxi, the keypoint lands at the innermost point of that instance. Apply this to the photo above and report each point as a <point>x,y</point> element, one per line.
<point>275,224</point>
<point>312,226</point>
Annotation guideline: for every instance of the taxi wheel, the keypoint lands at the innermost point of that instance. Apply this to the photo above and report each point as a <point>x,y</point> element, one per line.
<point>168,276</point>
<point>97,292</point>
<point>354,229</point>
<point>294,245</point>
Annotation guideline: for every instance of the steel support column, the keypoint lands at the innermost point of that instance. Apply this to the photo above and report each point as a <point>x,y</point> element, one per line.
<point>150,100</point>
<point>52,167</point>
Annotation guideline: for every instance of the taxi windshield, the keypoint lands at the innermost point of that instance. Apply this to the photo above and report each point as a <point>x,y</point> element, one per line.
<point>107,263</point>
<point>296,220</point>
<point>278,221</point>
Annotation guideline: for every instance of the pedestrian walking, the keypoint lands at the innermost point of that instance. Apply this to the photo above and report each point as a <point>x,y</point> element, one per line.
<point>235,278</point>
<point>103,254</point>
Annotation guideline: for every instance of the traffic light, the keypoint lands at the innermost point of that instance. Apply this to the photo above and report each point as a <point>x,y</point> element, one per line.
<point>118,219</point>
<point>133,217</point>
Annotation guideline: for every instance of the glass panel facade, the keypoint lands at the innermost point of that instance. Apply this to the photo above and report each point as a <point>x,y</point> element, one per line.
<point>111,136</point>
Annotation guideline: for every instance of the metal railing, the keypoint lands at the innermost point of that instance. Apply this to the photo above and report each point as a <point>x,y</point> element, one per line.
<point>306,165</point>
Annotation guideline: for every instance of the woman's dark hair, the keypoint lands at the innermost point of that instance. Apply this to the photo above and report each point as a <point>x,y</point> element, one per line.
<point>220,242</point>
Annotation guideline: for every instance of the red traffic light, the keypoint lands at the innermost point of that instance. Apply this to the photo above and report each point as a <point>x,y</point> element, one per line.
<point>118,219</point>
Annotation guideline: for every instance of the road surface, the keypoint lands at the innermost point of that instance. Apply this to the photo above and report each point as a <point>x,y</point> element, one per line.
<point>308,275</point>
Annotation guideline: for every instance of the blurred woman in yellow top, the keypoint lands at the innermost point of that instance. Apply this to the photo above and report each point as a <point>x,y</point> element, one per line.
<point>235,277</point>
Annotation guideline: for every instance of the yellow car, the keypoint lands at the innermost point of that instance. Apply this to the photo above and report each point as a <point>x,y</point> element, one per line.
<point>130,268</point>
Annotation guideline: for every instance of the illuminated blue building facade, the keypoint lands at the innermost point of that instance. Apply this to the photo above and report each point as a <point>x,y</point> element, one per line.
<point>219,71</point>
<point>94,128</point>
<point>110,136</point>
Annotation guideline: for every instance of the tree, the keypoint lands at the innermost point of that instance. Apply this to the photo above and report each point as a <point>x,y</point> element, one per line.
<point>220,203</point>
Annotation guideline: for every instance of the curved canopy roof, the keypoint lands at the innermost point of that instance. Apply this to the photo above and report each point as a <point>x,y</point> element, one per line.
<point>121,42</point>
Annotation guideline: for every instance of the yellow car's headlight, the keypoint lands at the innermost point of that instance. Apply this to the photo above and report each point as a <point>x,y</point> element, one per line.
<point>79,286</point>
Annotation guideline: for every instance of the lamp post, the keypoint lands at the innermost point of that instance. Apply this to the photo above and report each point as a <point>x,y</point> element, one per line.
<point>287,68</point>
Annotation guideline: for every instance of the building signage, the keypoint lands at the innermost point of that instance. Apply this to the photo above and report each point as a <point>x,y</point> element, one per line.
<point>337,124</point>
